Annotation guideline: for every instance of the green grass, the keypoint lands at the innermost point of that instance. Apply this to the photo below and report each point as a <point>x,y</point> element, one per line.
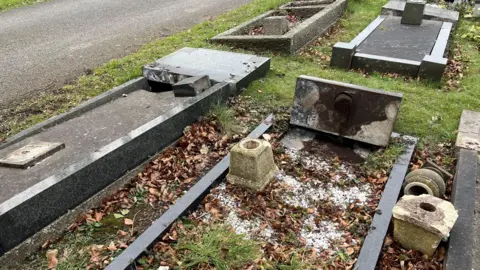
<point>216,246</point>
<point>9,4</point>
<point>427,111</point>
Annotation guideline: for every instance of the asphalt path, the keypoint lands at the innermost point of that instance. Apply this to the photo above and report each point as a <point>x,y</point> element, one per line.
<point>46,45</point>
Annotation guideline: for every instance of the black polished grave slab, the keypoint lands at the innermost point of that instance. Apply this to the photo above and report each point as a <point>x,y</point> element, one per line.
<point>396,40</point>
<point>388,46</point>
<point>237,69</point>
<point>350,111</point>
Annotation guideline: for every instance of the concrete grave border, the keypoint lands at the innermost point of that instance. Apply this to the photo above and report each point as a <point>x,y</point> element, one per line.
<point>373,243</point>
<point>293,40</point>
<point>110,95</point>
<point>188,201</point>
<point>20,216</point>
<point>432,66</point>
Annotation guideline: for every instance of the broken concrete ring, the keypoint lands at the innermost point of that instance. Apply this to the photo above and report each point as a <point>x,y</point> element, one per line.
<point>424,181</point>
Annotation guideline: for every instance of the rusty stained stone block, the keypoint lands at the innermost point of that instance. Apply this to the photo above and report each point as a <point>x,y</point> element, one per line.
<point>421,222</point>
<point>30,154</point>
<point>347,110</point>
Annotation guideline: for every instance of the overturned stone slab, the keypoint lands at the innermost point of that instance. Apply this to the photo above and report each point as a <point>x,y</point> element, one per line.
<point>313,18</point>
<point>421,222</point>
<point>389,46</point>
<point>351,111</point>
<point>237,69</point>
<point>192,86</point>
<point>468,136</point>
<point>30,154</point>
<point>431,12</point>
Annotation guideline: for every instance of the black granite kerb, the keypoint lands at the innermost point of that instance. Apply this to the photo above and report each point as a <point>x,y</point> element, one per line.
<point>461,241</point>
<point>187,202</point>
<point>373,243</point>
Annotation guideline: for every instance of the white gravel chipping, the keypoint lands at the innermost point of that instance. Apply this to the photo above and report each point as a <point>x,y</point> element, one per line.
<point>319,237</point>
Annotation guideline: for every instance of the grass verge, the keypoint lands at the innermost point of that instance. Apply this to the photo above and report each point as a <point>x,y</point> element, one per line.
<point>9,4</point>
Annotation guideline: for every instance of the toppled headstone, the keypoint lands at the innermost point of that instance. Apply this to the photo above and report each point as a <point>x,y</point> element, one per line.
<point>252,164</point>
<point>237,69</point>
<point>421,222</point>
<point>468,136</point>
<point>192,86</point>
<point>413,12</point>
<point>347,110</point>
<point>30,154</point>
<point>275,25</point>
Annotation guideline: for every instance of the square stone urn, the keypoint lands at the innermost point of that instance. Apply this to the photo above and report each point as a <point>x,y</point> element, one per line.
<point>421,222</point>
<point>252,164</point>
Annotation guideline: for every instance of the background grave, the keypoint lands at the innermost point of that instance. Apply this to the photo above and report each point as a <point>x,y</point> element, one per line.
<point>307,21</point>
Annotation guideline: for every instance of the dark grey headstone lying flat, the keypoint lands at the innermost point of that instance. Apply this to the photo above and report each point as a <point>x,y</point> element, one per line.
<point>432,12</point>
<point>237,69</point>
<point>190,200</point>
<point>348,110</point>
<point>461,246</point>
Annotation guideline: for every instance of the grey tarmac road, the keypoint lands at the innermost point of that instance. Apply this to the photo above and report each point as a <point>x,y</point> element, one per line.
<point>45,45</point>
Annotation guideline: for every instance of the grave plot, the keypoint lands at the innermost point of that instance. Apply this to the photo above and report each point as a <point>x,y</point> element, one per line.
<point>408,45</point>
<point>287,29</point>
<point>56,165</point>
<point>313,212</point>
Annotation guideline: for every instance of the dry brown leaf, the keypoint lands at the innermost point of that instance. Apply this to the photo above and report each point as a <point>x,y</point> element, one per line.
<point>52,258</point>
<point>112,246</point>
<point>128,222</point>
<point>350,251</point>
<point>98,216</point>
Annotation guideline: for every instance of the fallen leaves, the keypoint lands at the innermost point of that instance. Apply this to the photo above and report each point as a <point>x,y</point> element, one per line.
<point>128,222</point>
<point>52,258</point>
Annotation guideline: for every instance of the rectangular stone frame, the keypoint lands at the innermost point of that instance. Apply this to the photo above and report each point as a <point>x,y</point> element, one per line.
<point>344,56</point>
<point>292,41</point>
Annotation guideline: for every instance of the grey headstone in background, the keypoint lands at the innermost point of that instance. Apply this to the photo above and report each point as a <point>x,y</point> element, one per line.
<point>30,154</point>
<point>275,25</point>
<point>431,12</point>
<point>476,10</point>
<point>342,54</point>
<point>347,110</point>
<point>413,13</point>
<point>192,86</point>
